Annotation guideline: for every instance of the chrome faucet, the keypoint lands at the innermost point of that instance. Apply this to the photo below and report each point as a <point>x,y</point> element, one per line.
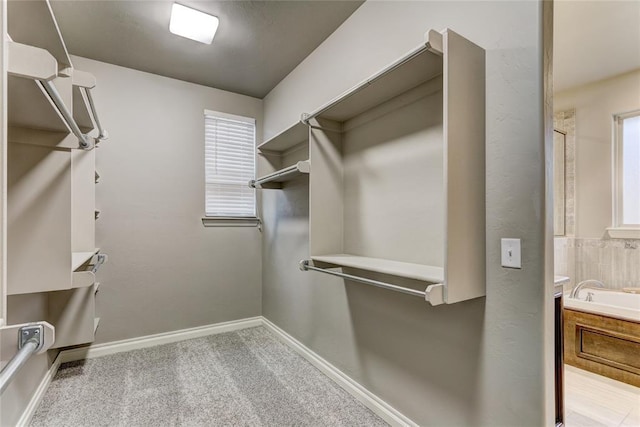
<point>590,283</point>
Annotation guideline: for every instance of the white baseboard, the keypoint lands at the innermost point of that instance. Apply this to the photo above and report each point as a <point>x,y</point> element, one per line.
<point>364,396</point>
<point>25,418</point>
<point>370,400</point>
<point>105,349</point>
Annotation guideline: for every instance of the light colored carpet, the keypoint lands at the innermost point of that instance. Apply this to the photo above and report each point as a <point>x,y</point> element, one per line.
<point>244,378</point>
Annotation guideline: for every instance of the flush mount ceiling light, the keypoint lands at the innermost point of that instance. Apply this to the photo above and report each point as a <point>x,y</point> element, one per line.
<point>192,24</point>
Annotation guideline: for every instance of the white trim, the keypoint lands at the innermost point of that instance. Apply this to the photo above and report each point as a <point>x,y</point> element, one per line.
<point>114,347</point>
<point>233,221</point>
<point>620,229</point>
<point>230,116</point>
<point>30,410</point>
<point>364,396</point>
<point>623,233</point>
<point>360,393</point>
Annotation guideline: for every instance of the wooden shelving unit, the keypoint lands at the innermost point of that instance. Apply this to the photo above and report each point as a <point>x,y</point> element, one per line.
<point>398,171</point>
<point>50,179</point>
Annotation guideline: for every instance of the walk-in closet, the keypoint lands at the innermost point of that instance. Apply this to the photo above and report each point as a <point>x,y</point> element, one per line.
<point>278,213</point>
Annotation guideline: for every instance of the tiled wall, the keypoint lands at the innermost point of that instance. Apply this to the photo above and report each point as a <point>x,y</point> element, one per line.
<point>565,121</point>
<point>616,262</point>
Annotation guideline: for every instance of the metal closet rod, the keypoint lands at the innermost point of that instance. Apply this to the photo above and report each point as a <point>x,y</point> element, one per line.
<point>305,265</point>
<point>30,340</point>
<point>66,114</point>
<point>284,172</point>
<point>102,133</point>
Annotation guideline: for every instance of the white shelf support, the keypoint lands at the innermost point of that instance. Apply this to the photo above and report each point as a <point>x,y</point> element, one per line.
<point>84,140</point>
<point>102,133</point>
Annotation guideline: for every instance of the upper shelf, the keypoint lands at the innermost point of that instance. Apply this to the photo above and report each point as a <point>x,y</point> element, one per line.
<point>33,23</point>
<point>29,104</point>
<point>421,272</point>
<point>290,137</point>
<point>419,66</point>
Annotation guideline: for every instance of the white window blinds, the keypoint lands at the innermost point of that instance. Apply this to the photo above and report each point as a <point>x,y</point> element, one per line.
<point>229,165</point>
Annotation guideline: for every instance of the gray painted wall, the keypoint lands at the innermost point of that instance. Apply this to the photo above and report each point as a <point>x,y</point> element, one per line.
<point>165,271</point>
<point>480,362</point>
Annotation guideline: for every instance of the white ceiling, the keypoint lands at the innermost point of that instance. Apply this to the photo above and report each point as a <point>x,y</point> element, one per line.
<point>594,40</point>
<point>257,44</point>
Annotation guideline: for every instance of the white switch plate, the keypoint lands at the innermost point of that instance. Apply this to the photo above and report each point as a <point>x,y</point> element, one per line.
<point>511,253</point>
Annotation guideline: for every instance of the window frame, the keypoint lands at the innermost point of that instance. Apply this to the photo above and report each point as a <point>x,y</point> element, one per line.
<point>620,229</point>
<point>230,220</point>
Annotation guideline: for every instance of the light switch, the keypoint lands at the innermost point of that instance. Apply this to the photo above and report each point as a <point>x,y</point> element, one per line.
<point>511,253</point>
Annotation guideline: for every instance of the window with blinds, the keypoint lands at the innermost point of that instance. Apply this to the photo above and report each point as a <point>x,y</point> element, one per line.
<point>229,165</point>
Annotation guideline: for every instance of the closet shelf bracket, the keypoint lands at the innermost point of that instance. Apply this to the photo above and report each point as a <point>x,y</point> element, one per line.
<point>102,133</point>
<point>85,141</point>
<point>305,119</point>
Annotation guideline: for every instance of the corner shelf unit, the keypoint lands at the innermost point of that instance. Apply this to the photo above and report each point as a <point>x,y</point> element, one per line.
<point>398,183</point>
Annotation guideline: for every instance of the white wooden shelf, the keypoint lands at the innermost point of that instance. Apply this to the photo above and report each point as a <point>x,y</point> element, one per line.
<point>275,179</point>
<point>288,138</point>
<point>411,71</point>
<point>79,258</point>
<point>426,273</point>
<point>33,23</point>
<point>29,105</point>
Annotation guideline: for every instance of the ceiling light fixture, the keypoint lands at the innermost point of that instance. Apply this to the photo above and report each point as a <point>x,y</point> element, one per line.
<point>192,24</point>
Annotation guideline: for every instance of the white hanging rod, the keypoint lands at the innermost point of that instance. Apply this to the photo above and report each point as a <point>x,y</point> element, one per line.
<point>102,133</point>
<point>30,340</point>
<point>84,140</point>
<point>300,167</point>
<point>305,265</point>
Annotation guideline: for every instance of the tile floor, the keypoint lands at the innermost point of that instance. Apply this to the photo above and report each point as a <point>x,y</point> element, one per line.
<point>594,401</point>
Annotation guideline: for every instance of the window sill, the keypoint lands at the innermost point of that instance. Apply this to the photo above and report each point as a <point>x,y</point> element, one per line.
<point>220,221</point>
<point>623,233</point>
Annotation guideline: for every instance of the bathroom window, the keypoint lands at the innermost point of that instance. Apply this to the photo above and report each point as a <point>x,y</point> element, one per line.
<point>229,165</point>
<point>627,170</point>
